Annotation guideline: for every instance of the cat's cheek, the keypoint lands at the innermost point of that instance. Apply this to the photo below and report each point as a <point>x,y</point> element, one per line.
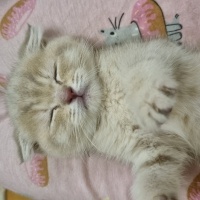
<point>94,98</point>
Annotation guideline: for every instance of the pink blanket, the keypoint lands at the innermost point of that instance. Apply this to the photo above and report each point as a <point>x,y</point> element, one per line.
<point>91,177</point>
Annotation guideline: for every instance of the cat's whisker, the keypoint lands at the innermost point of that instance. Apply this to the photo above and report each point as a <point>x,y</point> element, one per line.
<point>85,134</point>
<point>81,142</point>
<point>76,141</point>
<point>96,90</point>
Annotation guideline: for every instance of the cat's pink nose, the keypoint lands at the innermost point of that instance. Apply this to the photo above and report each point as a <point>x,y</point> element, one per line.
<point>69,95</point>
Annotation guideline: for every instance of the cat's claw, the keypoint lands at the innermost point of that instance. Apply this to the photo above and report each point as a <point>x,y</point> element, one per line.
<point>168,91</point>
<point>165,197</point>
<point>159,103</point>
<point>162,102</point>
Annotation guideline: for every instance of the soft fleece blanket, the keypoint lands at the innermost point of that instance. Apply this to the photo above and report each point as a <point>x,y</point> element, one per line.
<point>92,177</point>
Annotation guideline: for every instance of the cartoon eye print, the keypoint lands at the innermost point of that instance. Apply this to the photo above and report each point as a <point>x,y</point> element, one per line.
<point>112,33</point>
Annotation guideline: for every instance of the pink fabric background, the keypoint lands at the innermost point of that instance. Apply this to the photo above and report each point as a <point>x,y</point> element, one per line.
<point>93,177</point>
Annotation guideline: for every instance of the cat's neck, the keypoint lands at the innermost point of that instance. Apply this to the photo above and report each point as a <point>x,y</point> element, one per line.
<point>115,118</point>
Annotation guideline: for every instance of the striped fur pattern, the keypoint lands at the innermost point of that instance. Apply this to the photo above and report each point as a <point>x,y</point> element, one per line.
<point>140,104</point>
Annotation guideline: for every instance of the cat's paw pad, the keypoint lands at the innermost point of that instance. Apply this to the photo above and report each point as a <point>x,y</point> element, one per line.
<point>165,197</point>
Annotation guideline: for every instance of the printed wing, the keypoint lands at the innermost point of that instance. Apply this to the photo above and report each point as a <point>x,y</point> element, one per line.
<point>149,17</point>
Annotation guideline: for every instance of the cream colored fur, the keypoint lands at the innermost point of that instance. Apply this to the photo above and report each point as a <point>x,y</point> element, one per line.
<point>142,106</point>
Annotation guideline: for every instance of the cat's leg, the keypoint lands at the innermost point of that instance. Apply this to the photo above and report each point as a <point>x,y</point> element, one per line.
<point>159,160</point>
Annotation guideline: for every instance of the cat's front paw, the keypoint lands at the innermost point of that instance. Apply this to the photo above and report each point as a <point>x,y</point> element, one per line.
<point>159,103</point>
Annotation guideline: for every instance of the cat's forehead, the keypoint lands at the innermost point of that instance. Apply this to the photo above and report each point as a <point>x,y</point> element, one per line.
<point>44,60</point>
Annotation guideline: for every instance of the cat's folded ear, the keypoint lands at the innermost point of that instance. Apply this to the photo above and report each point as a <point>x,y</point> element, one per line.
<point>33,42</point>
<point>3,83</point>
<point>26,147</point>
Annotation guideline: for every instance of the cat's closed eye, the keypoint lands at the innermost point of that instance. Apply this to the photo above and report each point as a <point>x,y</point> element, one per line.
<point>52,113</point>
<point>56,74</point>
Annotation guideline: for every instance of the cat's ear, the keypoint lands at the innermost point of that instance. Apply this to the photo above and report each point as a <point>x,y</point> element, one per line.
<point>33,41</point>
<point>35,35</point>
<point>26,148</point>
<point>3,83</point>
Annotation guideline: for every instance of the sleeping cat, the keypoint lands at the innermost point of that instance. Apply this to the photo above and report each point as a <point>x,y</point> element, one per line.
<point>138,102</point>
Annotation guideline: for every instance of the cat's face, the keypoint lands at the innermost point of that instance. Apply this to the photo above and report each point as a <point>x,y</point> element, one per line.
<point>54,96</point>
